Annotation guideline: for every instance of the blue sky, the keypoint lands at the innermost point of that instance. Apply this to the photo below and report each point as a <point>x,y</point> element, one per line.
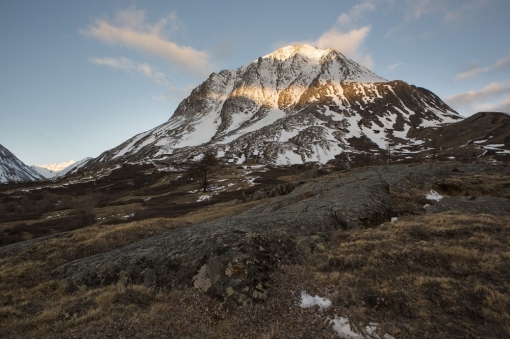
<point>80,77</point>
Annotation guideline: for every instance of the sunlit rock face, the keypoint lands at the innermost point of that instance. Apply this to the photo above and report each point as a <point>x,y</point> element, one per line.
<point>295,105</point>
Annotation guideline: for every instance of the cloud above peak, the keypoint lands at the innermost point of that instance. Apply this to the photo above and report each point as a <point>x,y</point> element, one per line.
<point>474,69</point>
<point>129,29</point>
<point>492,97</point>
<point>344,37</point>
<point>130,66</point>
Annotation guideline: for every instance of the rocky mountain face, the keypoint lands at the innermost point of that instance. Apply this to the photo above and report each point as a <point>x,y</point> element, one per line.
<point>13,170</point>
<point>295,105</point>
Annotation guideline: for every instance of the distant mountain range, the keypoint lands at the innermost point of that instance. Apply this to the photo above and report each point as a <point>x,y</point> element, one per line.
<point>295,105</point>
<point>52,170</point>
<point>14,170</point>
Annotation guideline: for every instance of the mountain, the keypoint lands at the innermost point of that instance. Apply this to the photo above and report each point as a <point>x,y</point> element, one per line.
<point>73,168</point>
<point>484,134</point>
<point>297,104</point>
<point>46,173</point>
<point>52,170</point>
<point>13,169</point>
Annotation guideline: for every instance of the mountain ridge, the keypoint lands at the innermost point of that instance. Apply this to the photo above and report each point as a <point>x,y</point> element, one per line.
<point>14,170</point>
<point>294,105</point>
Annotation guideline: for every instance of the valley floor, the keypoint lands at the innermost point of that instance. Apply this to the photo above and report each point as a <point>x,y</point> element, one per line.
<point>440,271</point>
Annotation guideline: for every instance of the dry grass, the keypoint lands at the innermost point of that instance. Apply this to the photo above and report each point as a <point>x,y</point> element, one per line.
<point>31,300</point>
<point>434,276</point>
<point>476,185</point>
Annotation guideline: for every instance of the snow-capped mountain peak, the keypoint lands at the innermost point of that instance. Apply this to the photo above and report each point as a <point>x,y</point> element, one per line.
<point>52,170</point>
<point>297,104</point>
<point>13,170</point>
<point>56,167</point>
<point>307,51</point>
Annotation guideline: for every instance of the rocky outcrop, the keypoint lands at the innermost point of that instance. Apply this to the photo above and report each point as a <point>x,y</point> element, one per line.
<point>231,258</point>
<point>275,191</point>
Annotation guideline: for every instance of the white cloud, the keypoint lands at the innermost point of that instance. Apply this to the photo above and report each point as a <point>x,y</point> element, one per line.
<point>452,13</point>
<point>462,13</point>
<point>391,68</point>
<point>493,97</point>
<point>474,70</point>
<point>130,67</point>
<point>466,12</point>
<point>501,106</point>
<point>345,38</point>
<point>175,94</point>
<point>129,29</point>
<point>417,8</point>
<point>347,43</point>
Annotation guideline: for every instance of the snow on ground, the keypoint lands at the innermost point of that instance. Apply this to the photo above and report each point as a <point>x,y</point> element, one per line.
<point>288,158</point>
<point>342,327</point>
<point>271,117</point>
<point>203,198</point>
<point>308,301</point>
<point>433,195</point>
<point>340,324</point>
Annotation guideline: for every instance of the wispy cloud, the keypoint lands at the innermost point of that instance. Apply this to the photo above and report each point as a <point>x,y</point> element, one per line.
<point>130,66</point>
<point>446,13</point>
<point>474,69</point>
<point>345,37</point>
<point>493,97</point>
<point>391,68</point>
<point>174,94</point>
<point>129,29</point>
<point>465,12</point>
<point>451,12</point>
<point>415,9</point>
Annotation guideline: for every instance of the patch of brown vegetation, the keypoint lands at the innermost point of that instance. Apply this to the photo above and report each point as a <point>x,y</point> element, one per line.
<point>33,305</point>
<point>477,185</point>
<point>432,276</point>
<point>427,276</point>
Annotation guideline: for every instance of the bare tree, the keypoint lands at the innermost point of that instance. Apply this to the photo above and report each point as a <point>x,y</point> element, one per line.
<point>389,149</point>
<point>204,166</point>
<point>434,149</point>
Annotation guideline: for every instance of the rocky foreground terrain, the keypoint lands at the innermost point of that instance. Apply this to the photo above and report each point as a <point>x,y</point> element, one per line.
<point>231,257</point>
<point>420,249</point>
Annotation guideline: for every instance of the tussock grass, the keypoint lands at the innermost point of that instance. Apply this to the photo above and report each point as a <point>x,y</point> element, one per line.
<point>425,276</point>
<point>433,276</point>
<point>32,304</point>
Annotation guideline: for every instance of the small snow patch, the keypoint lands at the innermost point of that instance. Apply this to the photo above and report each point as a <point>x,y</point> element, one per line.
<point>308,301</point>
<point>343,329</point>
<point>433,195</point>
<point>394,219</point>
<point>203,198</point>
